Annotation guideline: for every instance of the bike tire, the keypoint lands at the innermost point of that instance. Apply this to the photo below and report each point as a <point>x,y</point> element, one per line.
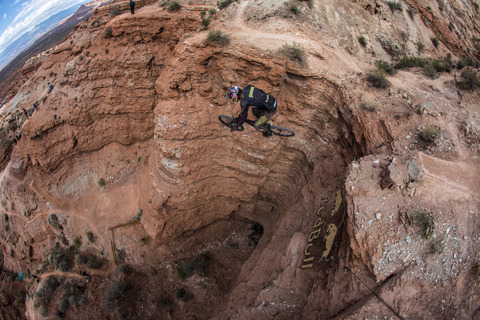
<point>227,120</point>
<point>281,131</point>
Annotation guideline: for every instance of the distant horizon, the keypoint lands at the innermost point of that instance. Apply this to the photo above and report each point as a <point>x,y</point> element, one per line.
<point>20,21</point>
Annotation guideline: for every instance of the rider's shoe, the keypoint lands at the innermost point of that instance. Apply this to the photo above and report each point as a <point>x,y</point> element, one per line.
<point>261,121</point>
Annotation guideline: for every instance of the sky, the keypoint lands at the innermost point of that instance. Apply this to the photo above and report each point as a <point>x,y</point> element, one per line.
<point>20,16</point>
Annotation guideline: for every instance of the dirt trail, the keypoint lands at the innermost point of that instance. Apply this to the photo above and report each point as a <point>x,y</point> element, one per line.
<point>273,41</point>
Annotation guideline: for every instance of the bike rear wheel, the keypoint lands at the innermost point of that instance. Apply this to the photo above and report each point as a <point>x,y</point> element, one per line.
<point>281,131</point>
<point>226,120</point>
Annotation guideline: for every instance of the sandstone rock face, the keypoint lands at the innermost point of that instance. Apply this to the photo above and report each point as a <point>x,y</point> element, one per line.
<point>125,160</point>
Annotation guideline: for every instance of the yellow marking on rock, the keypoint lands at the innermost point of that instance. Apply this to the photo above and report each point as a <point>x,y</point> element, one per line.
<point>320,211</point>
<point>329,237</point>
<point>338,202</point>
<point>307,253</point>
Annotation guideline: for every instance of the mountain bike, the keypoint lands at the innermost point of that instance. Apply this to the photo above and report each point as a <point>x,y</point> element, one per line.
<point>266,129</point>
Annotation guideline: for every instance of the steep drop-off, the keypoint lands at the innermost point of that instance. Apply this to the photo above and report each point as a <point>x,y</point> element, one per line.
<point>126,161</point>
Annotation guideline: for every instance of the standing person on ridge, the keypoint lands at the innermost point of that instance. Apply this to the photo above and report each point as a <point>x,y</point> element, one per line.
<point>132,6</point>
<point>264,105</point>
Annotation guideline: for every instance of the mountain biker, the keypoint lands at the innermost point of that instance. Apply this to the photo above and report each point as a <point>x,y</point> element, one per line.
<point>264,105</point>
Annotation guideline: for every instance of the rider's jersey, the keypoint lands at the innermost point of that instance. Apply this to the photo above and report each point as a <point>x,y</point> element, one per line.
<point>254,97</point>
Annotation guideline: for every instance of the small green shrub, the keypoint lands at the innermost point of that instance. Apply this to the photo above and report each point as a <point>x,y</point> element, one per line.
<point>218,37</point>
<point>124,268</point>
<point>107,33</point>
<point>295,52</point>
<point>184,295</point>
<point>467,61</point>
<point>77,242</point>
<point>101,182</point>
<point>206,21</point>
<point>180,293</point>
<point>426,221</point>
<point>115,11</point>
<point>411,12</point>
<point>93,262</point>
<point>429,134</point>
<point>387,67</point>
<point>362,41</point>
<point>174,6</point>
<point>378,79</point>
<point>469,80</point>
<point>435,41</point>
<point>420,46</point>
<point>419,109</point>
<point>395,6</point>
<point>410,62</point>
<point>224,3</point>
<point>80,259</point>
<point>53,220</point>
<point>294,9</point>
<point>89,236</point>
<point>212,11</point>
<point>163,302</point>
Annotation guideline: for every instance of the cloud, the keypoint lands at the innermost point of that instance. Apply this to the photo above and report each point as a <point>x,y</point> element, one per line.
<point>33,12</point>
<point>4,16</point>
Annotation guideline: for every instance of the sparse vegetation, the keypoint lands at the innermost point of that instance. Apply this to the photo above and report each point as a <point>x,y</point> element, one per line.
<point>53,220</point>
<point>115,11</point>
<point>124,268</point>
<point>362,41</point>
<point>224,3</point>
<point>378,79</point>
<point>429,134</point>
<point>77,242</point>
<point>410,62</point>
<point>186,268</point>
<point>115,291</point>
<point>107,33</point>
<point>294,51</point>
<point>435,41</point>
<point>469,80</point>
<point>395,6</point>
<point>61,258</point>
<point>420,46</point>
<point>411,11</point>
<point>174,6</point>
<point>426,221</point>
<point>218,37</point>
<point>44,293</point>
<point>184,295</point>
<point>387,67</point>
<point>467,61</point>
<point>93,262</point>
<point>419,109</point>
<point>101,182</point>
<point>368,107</point>
<point>89,236</point>
<point>80,259</point>
<point>294,9</point>
<point>205,19</point>
<point>163,302</point>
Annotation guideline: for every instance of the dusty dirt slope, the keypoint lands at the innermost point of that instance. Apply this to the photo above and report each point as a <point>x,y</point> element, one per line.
<point>128,199</point>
